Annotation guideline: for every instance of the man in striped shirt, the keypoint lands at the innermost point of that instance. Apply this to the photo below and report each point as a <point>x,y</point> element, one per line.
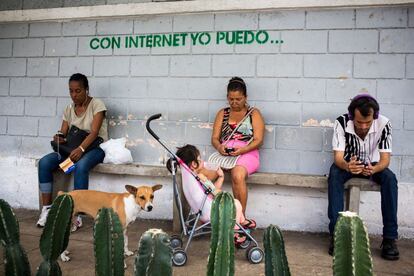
<point>362,148</point>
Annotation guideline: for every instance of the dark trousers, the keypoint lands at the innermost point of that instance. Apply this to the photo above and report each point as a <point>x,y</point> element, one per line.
<point>389,198</point>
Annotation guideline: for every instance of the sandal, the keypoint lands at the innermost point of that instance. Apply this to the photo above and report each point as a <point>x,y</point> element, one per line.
<point>239,238</point>
<point>251,224</point>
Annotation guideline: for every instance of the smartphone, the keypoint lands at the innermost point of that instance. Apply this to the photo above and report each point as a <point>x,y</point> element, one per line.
<point>228,150</point>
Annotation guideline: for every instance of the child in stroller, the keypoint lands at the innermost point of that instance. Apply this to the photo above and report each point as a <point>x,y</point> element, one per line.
<point>190,155</point>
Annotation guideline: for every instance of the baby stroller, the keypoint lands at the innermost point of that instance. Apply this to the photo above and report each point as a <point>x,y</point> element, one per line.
<point>195,192</point>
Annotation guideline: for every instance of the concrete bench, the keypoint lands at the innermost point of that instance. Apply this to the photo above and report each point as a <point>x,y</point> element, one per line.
<point>353,187</point>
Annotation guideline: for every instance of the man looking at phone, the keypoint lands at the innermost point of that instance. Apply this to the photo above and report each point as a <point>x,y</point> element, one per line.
<point>362,148</point>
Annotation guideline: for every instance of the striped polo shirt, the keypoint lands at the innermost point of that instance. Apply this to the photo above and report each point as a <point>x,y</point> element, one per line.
<point>378,139</point>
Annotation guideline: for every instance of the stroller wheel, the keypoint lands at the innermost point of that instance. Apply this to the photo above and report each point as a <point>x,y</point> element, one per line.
<point>176,241</point>
<point>179,257</point>
<point>254,255</point>
<point>244,244</point>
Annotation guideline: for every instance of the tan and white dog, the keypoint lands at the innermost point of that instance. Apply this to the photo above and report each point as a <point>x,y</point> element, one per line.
<point>127,205</point>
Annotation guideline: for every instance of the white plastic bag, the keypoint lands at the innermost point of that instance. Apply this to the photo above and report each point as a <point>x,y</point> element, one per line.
<point>116,152</point>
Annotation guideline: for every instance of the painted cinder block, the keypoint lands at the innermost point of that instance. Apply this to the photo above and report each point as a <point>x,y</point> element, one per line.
<point>299,138</point>
<point>271,46</point>
<point>3,125</point>
<point>40,106</point>
<point>353,41</point>
<point>84,47</point>
<point>29,47</point>
<point>269,137</point>
<point>122,87</point>
<point>10,144</point>
<point>62,46</point>
<point>78,28</point>
<point>280,65</point>
<point>45,29</point>
<point>55,87</point>
<point>153,24</point>
<point>301,90</point>
<point>72,65</point>
<point>410,67</point>
<point>236,21</point>
<point>14,30</point>
<point>343,90</point>
<point>397,41</point>
<point>42,4</point>
<point>317,163</point>
<point>395,113</point>
<point>111,66</point>
<point>381,18</point>
<point>260,89</point>
<point>22,126</point>
<point>11,5</point>
<point>12,67</point>
<point>142,109</point>
<point>402,142</point>
<point>280,113</point>
<point>4,86</point>
<point>188,111</point>
<point>172,88</point>
<point>208,88</point>
<point>42,67</point>
<point>108,27</point>
<point>409,117</point>
<point>379,66</point>
<point>48,126</point>
<point>330,19</point>
<point>304,42</point>
<point>198,133</point>
<point>24,87</point>
<point>36,147</point>
<point>193,23</point>
<point>6,48</point>
<point>12,106</point>
<point>407,172</point>
<point>322,111</point>
<point>150,66</point>
<point>99,87</point>
<point>327,134</point>
<point>282,161</point>
<point>280,20</point>
<point>194,65</point>
<point>77,3</point>
<point>395,91</point>
<point>329,66</point>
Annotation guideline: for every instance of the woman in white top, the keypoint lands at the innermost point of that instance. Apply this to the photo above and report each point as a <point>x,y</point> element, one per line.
<point>88,114</point>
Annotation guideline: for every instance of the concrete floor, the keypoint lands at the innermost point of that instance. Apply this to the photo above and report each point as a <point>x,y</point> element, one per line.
<point>307,253</point>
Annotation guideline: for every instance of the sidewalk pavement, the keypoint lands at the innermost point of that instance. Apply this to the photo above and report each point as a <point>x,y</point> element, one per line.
<point>306,252</point>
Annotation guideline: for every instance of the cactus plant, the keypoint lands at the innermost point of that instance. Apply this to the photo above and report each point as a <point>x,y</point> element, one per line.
<point>352,255</point>
<point>154,254</point>
<point>221,257</point>
<point>55,236</point>
<point>16,259</point>
<point>108,243</point>
<point>275,255</point>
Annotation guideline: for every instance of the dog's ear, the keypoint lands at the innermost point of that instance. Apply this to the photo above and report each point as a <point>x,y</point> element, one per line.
<point>131,189</point>
<point>156,187</point>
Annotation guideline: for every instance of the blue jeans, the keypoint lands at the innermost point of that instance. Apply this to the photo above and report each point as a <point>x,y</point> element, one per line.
<point>51,161</point>
<point>389,198</point>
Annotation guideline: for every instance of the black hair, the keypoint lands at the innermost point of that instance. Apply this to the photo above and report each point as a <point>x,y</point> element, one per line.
<point>80,78</point>
<point>188,154</point>
<point>364,105</point>
<point>237,84</point>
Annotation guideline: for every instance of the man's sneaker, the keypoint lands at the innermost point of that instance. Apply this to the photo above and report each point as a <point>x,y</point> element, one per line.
<point>331,246</point>
<point>389,250</point>
<point>77,223</point>
<point>43,216</point>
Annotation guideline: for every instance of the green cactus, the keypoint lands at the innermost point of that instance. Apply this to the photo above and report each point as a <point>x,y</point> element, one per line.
<point>55,236</point>
<point>275,255</point>
<point>16,262</point>
<point>352,255</point>
<point>221,257</point>
<point>108,243</point>
<point>154,254</point>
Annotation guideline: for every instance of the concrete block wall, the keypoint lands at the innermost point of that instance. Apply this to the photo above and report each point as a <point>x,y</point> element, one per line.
<point>300,86</point>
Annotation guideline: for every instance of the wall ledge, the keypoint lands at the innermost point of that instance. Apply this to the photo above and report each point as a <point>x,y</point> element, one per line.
<point>184,7</point>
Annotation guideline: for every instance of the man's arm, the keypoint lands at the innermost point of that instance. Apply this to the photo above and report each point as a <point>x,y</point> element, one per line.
<point>382,164</point>
<point>353,166</point>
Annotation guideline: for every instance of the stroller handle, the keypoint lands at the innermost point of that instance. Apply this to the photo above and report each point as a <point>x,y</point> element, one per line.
<point>153,117</point>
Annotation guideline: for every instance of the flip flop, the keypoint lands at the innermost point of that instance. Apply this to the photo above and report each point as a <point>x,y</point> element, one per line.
<point>239,238</point>
<point>251,224</point>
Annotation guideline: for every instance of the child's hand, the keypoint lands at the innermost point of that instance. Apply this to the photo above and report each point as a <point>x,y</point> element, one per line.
<point>220,172</point>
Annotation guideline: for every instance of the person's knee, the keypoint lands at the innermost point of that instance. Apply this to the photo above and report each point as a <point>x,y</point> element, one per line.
<point>45,162</point>
<point>238,175</point>
<point>388,177</point>
<point>81,168</point>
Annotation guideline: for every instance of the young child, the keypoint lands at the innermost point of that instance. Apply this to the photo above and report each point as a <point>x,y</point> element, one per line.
<point>190,155</point>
